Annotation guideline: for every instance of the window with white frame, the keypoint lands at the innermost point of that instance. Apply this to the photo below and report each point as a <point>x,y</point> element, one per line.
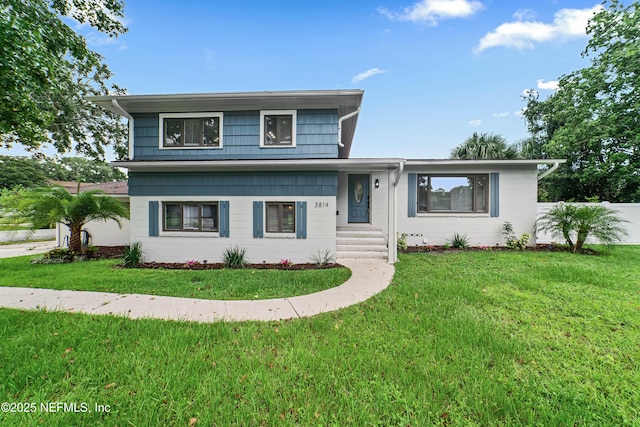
<point>191,130</point>
<point>190,216</point>
<point>278,128</point>
<point>281,217</point>
<point>453,193</point>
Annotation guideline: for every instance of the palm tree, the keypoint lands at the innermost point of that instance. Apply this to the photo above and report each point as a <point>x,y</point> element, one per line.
<point>580,221</point>
<point>485,146</point>
<point>46,206</point>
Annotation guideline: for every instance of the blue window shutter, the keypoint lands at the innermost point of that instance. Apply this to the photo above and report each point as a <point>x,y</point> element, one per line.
<point>153,218</point>
<point>494,193</point>
<point>301,220</point>
<point>413,194</point>
<point>258,223</point>
<point>223,206</point>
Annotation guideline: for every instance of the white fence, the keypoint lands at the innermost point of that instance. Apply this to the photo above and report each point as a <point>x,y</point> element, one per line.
<point>627,211</point>
<point>10,236</point>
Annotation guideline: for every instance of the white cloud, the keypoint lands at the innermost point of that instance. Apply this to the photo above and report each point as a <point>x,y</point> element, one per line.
<point>431,11</point>
<point>501,115</point>
<point>550,85</point>
<point>524,15</point>
<point>476,122</point>
<point>365,75</point>
<point>99,39</point>
<point>524,34</point>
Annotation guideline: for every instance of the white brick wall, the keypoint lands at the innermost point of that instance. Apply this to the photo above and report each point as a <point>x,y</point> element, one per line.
<point>182,247</point>
<point>518,193</point>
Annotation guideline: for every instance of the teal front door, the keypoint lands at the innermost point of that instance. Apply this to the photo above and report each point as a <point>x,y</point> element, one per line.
<point>358,199</point>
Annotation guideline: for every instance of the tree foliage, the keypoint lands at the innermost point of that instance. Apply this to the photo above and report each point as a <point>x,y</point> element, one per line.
<point>20,172</point>
<point>485,146</point>
<point>30,172</point>
<point>593,119</point>
<point>46,70</point>
<point>81,169</point>
<point>46,206</point>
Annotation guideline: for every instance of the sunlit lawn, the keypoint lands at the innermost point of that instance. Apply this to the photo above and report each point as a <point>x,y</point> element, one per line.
<point>103,276</point>
<point>466,339</point>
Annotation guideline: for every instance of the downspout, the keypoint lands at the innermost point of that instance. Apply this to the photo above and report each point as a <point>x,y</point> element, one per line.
<point>129,117</point>
<point>398,173</point>
<point>548,171</point>
<point>393,216</point>
<point>342,119</point>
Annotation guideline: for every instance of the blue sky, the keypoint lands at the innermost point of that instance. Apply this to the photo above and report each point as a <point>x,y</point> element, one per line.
<point>433,71</point>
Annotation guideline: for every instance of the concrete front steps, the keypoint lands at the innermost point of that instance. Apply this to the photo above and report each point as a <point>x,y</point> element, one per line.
<point>360,242</point>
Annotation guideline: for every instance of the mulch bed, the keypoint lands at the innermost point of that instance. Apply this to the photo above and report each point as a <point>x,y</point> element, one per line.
<point>110,252</point>
<point>115,252</point>
<point>540,247</point>
<point>219,266</point>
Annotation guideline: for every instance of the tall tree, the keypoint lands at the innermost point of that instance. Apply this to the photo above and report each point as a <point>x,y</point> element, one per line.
<point>81,169</point>
<point>20,171</point>
<point>49,205</point>
<point>485,146</point>
<point>46,70</point>
<point>593,120</point>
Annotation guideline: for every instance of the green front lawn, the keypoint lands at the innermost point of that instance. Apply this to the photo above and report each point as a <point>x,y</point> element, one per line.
<point>465,339</point>
<point>103,276</point>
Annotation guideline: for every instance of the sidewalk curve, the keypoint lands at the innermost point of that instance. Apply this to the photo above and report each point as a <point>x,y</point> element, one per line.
<point>368,277</point>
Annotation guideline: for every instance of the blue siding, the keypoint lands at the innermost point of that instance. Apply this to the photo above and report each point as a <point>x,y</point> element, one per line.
<point>233,184</point>
<point>316,137</point>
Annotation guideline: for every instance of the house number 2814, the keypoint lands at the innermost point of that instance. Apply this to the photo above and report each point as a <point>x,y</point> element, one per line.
<point>322,204</point>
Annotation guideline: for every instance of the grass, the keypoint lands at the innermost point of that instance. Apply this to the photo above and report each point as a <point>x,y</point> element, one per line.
<point>464,339</point>
<point>102,276</point>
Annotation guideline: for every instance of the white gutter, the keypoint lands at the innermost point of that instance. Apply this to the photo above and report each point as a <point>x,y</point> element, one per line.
<point>342,119</point>
<point>129,117</point>
<point>398,173</point>
<point>548,171</point>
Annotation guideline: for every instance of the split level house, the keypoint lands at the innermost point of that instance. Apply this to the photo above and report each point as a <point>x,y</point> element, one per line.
<point>271,172</point>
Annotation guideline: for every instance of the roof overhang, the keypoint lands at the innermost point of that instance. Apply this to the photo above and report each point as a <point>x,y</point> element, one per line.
<point>344,101</point>
<point>492,162</point>
<point>260,165</point>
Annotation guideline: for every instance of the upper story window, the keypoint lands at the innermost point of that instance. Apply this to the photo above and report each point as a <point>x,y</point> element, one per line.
<point>453,193</point>
<point>278,128</point>
<point>191,130</point>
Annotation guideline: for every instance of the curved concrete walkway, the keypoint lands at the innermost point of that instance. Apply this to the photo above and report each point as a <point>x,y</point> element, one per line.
<point>368,277</point>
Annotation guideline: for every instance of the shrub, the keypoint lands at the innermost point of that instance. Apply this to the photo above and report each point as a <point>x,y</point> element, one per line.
<point>323,258</point>
<point>56,256</point>
<point>402,241</point>
<point>191,263</point>
<point>133,255</point>
<point>285,264</point>
<point>579,221</point>
<point>459,241</point>
<point>511,240</point>
<point>234,257</point>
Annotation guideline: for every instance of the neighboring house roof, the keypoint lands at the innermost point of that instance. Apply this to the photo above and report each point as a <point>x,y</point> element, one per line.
<point>115,188</point>
<point>345,101</point>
